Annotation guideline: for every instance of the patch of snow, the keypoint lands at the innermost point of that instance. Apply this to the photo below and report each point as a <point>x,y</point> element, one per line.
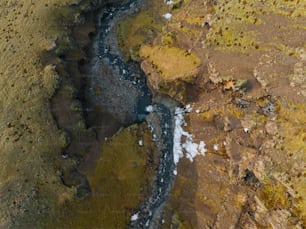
<point>150,108</point>
<point>246,130</point>
<point>167,16</point>
<point>224,143</point>
<point>201,148</point>
<point>197,111</point>
<point>135,216</point>
<point>140,143</point>
<point>216,147</point>
<point>188,108</point>
<point>190,148</point>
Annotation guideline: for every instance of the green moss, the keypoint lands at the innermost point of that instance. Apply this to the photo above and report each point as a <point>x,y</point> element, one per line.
<point>169,38</point>
<point>76,106</point>
<point>291,8</point>
<point>118,182</point>
<point>64,139</point>
<point>179,222</point>
<point>230,37</point>
<point>175,89</point>
<point>289,160</point>
<point>207,116</point>
<point>228,30</point>
<point>135,31</point>
<point>274,195</point>
<point>81,124</point>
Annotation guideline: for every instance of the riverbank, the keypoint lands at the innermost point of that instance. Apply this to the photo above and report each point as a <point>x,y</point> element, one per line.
<point>119,88</point>
<point>243,71</point>
<point>41,58</point>
<point>249,81</point>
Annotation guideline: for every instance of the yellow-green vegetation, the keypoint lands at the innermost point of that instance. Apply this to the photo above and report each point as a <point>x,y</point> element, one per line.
<point>292,124</point>
<point>30,142</point>
<point>231,19</point>
<point>141,28</point>
<point>176,219</point>
<point>177,222</point>
<point>259,45</point>
<point>206,116</point>
<point>229,109</point>
<point>229,25</point>
<point>172,63</point>
<point>175,89</point>
<point>120,180</point>
<point>291,8</point>
<point>274,195</point>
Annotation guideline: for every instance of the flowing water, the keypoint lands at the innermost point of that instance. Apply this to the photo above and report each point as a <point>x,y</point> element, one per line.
<point>123,92</point>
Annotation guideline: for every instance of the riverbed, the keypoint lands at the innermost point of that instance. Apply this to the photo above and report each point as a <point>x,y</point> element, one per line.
<point>124,93</point>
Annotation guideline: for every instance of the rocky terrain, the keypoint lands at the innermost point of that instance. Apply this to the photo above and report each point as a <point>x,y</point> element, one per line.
<point>69,161</point>
<point>241,67</point>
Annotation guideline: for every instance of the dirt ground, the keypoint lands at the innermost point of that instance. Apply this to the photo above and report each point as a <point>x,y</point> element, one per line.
<point>50,155</point>
<point>248,100</point>
<point>34,37</point>
<point>247,92</point>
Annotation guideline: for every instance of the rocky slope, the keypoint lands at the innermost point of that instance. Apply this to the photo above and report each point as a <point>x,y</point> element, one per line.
<point>241,66</point>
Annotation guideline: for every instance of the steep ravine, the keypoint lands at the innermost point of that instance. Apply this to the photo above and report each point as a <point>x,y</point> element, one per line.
<point>124,93</point>
<point>115,97</point>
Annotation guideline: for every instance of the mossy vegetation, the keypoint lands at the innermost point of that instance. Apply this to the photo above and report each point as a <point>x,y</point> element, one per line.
<point>229,26</point>
<point>175,89</point>
<point>292,122</point>
<point>274,195</point>
<point>172,63</point>
<point>30,139</point>
<point>290,8</point>
<point>119,182</point>
<point>137,30</point>
<point>231,19</point>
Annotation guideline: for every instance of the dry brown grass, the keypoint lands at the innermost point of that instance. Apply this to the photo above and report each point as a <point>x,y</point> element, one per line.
<point>30,140</point>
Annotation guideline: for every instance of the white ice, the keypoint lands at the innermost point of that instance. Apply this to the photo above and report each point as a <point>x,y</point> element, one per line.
<point>167,16</point>
<point>150,108</point>
<point>190,148</point>
<point>135,216</point>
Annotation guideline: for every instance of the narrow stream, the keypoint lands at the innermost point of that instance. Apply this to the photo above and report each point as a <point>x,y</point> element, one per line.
<point>123,92</point>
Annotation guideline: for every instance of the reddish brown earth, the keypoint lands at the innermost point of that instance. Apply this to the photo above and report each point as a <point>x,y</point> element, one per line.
<point>248,96</point>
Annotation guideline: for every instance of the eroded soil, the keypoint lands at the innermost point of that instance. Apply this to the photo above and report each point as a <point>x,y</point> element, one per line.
<point>246,85</point>
<point>248,99</point>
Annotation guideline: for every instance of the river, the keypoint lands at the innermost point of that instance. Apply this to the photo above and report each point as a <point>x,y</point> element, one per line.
<point>123,92</point>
